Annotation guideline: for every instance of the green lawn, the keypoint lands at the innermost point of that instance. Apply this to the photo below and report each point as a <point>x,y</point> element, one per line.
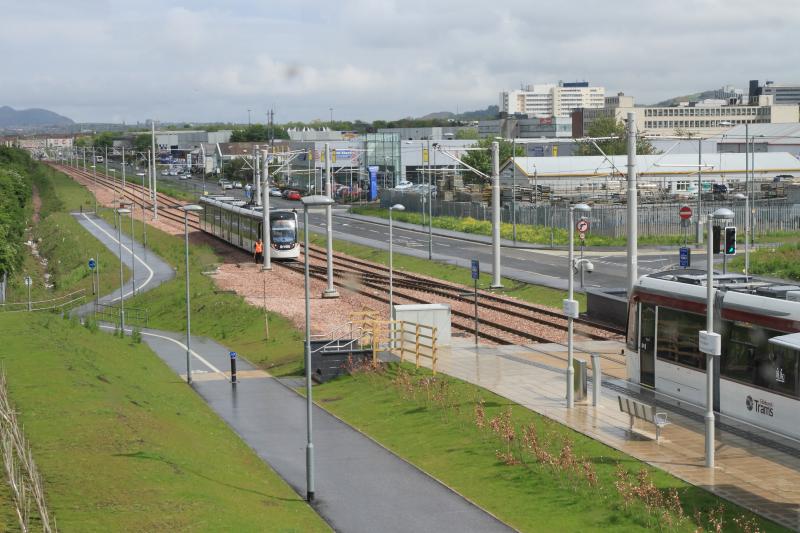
<point>782,261</point>
<point>455,274</point>
<point>435,428</point>
<point>124,445</point>
<point>224,317</point>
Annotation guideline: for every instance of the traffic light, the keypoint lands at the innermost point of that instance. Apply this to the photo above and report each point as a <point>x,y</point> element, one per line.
<point>730,240</point>
<point>717,242</point>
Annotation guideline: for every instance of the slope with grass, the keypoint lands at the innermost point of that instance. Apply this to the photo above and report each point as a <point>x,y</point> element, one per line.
<point>124,445</point>
<point>535,474</point>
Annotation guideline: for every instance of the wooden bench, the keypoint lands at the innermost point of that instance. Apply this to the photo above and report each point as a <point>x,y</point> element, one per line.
<point>644,412</point>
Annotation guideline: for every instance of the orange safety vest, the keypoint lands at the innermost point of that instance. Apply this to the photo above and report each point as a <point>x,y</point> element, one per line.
<point>259,247</point>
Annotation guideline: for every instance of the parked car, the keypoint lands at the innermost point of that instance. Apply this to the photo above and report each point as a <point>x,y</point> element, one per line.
<point>165,172</point>
<point>221,182</point>
<point>275,192</point>
<point>225,184</point>
<point>285,193</point>
<point>293,195</point>
<point>237,185</point>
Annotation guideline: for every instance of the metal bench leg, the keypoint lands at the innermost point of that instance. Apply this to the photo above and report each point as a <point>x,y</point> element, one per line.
<point>631,428</point>
<point>658,432</point>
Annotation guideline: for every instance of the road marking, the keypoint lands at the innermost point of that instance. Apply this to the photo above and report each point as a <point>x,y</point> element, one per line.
<point>182,345</point>
<point>149,277</point>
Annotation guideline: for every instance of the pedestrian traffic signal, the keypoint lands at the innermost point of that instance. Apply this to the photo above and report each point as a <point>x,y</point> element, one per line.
<point>716,246</point>
<point>730,240</point>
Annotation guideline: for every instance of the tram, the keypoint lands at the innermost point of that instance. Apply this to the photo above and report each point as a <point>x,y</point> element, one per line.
<point>757,377</point>
<point>233,221</point>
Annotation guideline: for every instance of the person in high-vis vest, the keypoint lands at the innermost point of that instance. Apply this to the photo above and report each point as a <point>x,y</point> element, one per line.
<point>258,251</point>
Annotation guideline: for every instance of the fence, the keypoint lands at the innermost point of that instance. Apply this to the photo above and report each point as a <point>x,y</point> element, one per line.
<point>134,316</point>
<point>611,220</point>
<point>60,303</point>
<point>403,338</point>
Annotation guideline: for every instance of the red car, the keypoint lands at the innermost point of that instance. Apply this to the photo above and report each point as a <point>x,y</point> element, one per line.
<point>293,195</point>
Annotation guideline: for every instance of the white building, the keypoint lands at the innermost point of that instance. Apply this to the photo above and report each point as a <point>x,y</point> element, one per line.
<point>550,100</point>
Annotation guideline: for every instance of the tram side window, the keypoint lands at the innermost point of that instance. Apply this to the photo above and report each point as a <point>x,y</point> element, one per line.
<point>633,326</point>
<point>678,338</point>
<point>750,358</point>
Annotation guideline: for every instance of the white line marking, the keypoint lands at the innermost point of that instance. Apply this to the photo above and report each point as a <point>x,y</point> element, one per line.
<point>149,277</point>
<point>182,345</point>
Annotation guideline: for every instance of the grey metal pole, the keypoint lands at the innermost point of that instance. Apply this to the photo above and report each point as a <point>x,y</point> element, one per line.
<point>188,307</point>
<point>709,417</point>
<point>570,295</point>
<point>144,224</point>
<point>309,443</point>
<point>391,267</point>
<point>256,178</point>
<point>514,190</point>
<point>123,173</point>
<point>597,378</point>
<point>633,201</point>
<point>700,190</point>
<point>430,206</point>
<point>330,291</point>
<point>155,174</point>
<point>106,159</point>
<point>265,226</point>
<point>30,282</point>
<point>149,175</point>
<point>121,286</point>
<point>496,274</point>
<point>747,199</point>
<point>133,255</point>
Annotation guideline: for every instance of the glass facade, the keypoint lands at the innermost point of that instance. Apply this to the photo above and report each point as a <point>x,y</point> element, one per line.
<point>383,151</point>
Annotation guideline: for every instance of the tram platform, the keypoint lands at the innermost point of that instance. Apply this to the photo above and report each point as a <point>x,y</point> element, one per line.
<point>758,473</point>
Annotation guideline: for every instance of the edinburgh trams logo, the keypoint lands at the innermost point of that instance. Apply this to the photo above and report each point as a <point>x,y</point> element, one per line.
<point>762,407</point>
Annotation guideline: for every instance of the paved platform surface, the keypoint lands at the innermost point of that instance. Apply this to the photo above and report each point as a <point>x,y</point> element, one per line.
<point>360,486</point>
<point>756,476</point>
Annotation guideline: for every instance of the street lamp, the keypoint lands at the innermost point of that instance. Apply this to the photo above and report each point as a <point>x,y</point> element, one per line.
<point>570,304</point>
<point>144,224</point>
<point>133,252</point>
<point>121,211</point>
<point>316,200</point>
<point>330,291</point>
<point>395,207</point>
<point>186,209</point>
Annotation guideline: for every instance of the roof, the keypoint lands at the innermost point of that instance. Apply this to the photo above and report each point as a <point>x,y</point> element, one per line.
<point>771,133</point>
<point>649,164</point>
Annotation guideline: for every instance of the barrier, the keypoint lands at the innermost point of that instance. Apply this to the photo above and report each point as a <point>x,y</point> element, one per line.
<point>402,338</point>
<point>59,303</point>
<point>134,316</point>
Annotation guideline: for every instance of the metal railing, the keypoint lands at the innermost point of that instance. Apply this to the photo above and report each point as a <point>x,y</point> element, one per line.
<point>134,316</point>
<point>59,303</point>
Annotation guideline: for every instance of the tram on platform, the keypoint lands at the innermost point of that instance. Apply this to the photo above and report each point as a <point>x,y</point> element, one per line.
<point>756,378</point>
<point>240,224</point>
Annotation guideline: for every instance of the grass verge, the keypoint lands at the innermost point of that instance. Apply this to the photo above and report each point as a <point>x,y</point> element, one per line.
<point>533,473</point>
<point>455,274</point>
<point>123,445</point>
<point>782,261</point>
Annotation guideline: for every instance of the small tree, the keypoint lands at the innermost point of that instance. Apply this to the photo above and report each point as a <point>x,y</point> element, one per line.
<point>482,159</point>
<point>609,127</point>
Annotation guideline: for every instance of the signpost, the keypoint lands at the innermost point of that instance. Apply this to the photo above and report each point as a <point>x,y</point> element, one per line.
<point>233,367</point>
<point>92,265</point>
<point>685,212</point>
<point>685,257</point>
<point>28,283</point>
<point>476,273</point>
<point>583,227</point>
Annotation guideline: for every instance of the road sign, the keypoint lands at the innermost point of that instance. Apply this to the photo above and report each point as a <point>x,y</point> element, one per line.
<point>685,257</point>
<point>92,263</point>
<point>582,235</point>
<point>685,212</point>
<point>476,269</point>
<point>582,226</point>
<point>233,355</point>
<point>28,281</point>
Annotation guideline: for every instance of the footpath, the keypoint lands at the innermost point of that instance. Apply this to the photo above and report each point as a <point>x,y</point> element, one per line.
<point>360,486</point>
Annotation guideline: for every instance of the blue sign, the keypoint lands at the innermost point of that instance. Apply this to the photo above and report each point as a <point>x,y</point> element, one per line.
<point>233,355</point>
<point>476,269</point>
<point>92,263</point>
<point>685,257</point>
<point>373,183</point>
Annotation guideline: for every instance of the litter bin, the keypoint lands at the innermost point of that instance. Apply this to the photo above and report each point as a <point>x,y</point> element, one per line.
<point>579,383</point>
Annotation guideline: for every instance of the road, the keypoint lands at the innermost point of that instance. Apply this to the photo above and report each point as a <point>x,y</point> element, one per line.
<point>540,266</point>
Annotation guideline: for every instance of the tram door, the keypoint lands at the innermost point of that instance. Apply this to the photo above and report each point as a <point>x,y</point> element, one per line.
<point>647,346</point>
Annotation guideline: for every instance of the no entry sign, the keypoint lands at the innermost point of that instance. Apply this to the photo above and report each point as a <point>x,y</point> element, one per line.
<point>685,212</point>
<point>582,226</point>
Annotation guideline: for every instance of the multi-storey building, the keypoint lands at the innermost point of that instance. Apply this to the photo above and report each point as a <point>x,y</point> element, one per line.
<point>551,100</point>
<point>782,93</point>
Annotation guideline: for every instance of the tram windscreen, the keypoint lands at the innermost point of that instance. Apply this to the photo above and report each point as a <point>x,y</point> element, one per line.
<point>284,231</point>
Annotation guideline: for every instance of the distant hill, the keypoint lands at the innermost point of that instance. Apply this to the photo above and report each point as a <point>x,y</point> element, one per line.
<point>30,118</point>
<point>481,114</point>
<point>688,98</point>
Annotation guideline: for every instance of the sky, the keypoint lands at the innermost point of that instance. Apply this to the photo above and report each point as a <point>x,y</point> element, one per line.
<point>202,60</point>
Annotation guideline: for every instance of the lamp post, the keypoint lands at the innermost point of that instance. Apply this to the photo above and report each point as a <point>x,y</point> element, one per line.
<point>130,206</point>
<point>144,224</point>
<point>121,211</point>
<point>114,181</point>
<point>395,207</point>
<point>94,183</point>
<point>264,190</point>
<point>496,274</point>
<point>309,201</point>
<point>570,304</point>
<point>186,209</point>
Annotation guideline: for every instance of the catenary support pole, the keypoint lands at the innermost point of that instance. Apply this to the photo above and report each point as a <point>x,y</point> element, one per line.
<point>570,297</point>
<point>514,189</point>
<point>633,216</point>
<point>747,200</point>
<point>709,417</point>
<point>265,227</point>
<point>430,205</point>
<point>330,291</point>
<point>257,174</point>
<point>496,274</point>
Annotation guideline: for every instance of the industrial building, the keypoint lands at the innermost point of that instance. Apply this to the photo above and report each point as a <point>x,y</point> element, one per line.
<point>764,138</point>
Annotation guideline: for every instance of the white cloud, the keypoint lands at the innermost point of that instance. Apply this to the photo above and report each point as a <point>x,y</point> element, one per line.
<point>209,60</point>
